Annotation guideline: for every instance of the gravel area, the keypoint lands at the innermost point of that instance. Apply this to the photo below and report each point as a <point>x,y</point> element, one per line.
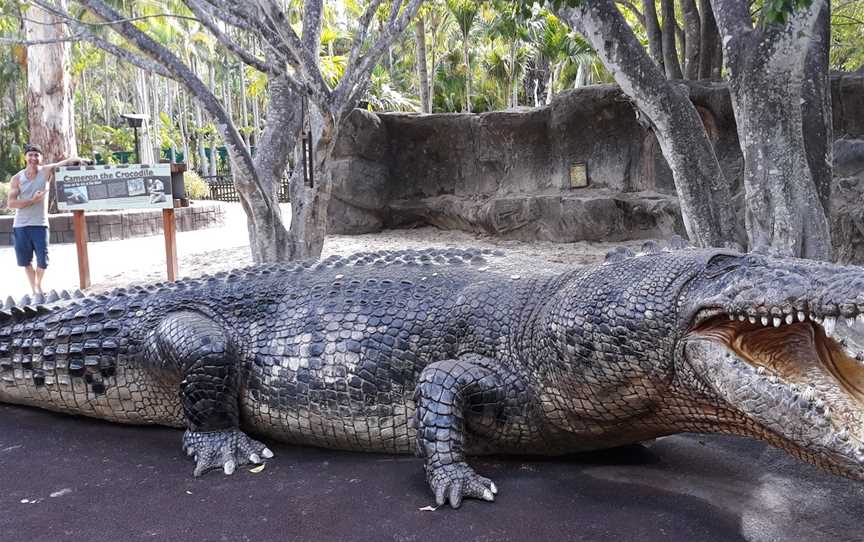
<point>142,259</point>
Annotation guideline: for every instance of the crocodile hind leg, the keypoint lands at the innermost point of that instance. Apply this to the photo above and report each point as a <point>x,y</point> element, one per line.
<point>449,395</point>
<point>201,351</point>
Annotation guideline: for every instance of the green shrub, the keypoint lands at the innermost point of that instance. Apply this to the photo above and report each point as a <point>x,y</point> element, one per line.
<point>4,194</point>
<point>196,187</point>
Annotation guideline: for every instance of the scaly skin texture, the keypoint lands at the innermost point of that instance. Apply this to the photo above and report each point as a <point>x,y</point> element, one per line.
<point>433,353</point>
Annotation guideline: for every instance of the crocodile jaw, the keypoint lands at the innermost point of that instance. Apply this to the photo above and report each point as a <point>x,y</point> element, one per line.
<point>798,386</point>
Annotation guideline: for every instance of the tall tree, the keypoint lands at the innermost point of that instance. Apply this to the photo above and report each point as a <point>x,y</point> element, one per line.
<point>786,178</point>
<point>49,84</point>
<point>465,11</point>
<point>778,68</point>
<point>299,96</point>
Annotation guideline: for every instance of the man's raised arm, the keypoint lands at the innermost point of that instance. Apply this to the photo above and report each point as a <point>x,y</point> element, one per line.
<point>72,160</point>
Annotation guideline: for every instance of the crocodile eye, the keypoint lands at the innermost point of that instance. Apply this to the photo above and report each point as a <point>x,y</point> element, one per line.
<point>722,263</point>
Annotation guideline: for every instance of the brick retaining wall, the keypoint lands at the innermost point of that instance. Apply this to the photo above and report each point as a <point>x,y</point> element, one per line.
<point>113,225</point>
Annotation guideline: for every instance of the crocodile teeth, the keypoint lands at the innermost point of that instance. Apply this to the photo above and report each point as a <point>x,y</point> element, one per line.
<point>751,319</point>
<point>776,322</point>
<point>843,435</point>
<point>731,316</point>
<point>760,370</point>
<point>789,319</point>
<point>741,317</point>
<point>829,324</point>
<point>860,318</point>
<point>764,320</point>
<point>850,322</point>
<point>801,316</point>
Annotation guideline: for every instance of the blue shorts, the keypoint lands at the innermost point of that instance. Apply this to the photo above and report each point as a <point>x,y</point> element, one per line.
<point>30,239</point>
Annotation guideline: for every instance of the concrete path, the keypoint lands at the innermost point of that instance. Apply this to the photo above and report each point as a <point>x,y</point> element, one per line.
<point>110,260</point>
<point>64,478</point>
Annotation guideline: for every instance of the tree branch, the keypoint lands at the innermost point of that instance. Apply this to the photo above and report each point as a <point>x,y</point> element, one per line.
<point>21,41</point>
<point>356,74</point>
<point>733,18</point>
<point>362,29</point>
<point>181,72</point>
<point>306,62</point>
<point>230,13</point>
<point>79,27</point>
<point>211,25</point>
<point>632,9</point>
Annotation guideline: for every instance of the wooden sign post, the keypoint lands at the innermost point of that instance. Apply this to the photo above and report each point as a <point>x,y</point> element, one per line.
<point>121,187</point>
<point>79,224</point>
<point>169,227</point>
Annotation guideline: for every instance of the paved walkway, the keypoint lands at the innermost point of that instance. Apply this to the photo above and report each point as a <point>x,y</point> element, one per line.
<point>65,478</point>
<point>110,261</point>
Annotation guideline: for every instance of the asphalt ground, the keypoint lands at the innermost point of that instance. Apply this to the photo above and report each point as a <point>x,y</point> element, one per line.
<point>67,478</point>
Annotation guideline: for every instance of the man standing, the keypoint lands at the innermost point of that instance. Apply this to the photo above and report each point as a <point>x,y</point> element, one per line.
<point>28,196</point>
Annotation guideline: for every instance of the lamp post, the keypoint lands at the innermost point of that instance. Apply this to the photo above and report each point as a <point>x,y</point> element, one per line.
<point>135,120</point>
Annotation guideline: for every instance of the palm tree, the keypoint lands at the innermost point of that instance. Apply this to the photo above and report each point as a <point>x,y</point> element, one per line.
<point>465,11</point>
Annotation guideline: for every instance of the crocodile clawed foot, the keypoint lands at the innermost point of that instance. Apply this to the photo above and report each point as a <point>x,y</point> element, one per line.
<point>223,449</point>
<point>451,483</point>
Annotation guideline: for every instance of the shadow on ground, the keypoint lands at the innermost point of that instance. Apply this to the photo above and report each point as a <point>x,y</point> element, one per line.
<point>64,478</point>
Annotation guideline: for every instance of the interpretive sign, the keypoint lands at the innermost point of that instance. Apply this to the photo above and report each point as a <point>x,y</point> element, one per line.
<point>126,186</point>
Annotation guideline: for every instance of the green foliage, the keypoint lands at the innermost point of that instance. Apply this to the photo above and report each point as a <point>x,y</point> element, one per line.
<point>4,196</point>
<point>196,187</point>
<point>169,134</point>
<point>382,96</point>
<point>778,11</point>
<point>847,35</point>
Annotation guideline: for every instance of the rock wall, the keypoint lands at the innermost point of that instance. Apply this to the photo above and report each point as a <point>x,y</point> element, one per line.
<point>112,225</point>
<point>508,173</point>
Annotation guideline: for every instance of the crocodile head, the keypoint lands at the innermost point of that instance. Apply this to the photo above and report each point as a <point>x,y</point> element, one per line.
<point>772,348</point>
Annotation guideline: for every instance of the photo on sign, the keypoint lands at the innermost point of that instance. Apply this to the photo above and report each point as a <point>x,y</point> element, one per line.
<point>136,187</point>
<point>76,194</point>
<point>156,189</point>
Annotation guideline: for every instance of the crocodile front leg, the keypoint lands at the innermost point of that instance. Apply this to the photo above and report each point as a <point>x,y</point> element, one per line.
<point>203,353</point>
<point>449,395</point>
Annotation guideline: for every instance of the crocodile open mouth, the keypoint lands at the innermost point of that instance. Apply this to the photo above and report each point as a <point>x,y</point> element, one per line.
<point>800,377</point>
<point>801,350</point>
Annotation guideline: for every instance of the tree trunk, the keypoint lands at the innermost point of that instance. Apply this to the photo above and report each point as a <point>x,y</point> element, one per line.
<point>465,53</point>
<point>703,190</point>
<point>310,201</point>
<point>652,28</point>
<point>692,29</point>
<point>269,240</point>
<point>816,108</point>
<point>514,89</point>
<point>766,66</point>
<point>709,41</point>
<point>670,52</point>
<point>50,105</point>
<point>422,68</point>
<point>553,78</point>
<point>244,109</point>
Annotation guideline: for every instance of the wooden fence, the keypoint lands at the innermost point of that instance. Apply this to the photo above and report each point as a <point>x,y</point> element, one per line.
<point>222,189</point>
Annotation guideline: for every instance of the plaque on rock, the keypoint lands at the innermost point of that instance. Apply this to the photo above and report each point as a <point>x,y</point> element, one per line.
<point>578,175</point>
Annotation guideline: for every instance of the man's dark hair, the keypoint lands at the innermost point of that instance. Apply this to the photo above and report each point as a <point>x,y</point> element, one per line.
<point>30,147</point>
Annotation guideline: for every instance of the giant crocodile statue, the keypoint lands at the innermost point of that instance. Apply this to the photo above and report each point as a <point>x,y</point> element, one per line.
<point>435,352</point>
